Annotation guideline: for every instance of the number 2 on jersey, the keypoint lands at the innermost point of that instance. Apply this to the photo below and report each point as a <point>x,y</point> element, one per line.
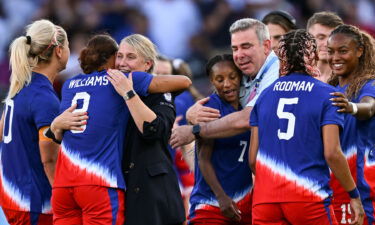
<point>86,100</point>
<point>286,115</point>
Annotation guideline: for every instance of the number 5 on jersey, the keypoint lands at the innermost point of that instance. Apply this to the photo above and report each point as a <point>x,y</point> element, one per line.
<point>286,115</point>
<point>86,100</point>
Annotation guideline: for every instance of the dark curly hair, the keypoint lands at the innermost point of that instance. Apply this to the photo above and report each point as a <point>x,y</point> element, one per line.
<point>365,69</point>
<point>97,52</point>
<point>298,53</point>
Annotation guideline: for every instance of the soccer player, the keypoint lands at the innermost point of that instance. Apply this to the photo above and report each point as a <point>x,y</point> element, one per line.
<point>351,56</point>
<point>223,184</point>
<point>320,25</point>
<point>27,157</point>
<point>295,140</point>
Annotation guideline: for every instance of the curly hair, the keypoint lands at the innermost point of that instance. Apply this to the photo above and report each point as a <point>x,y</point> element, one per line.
<point>298,53</point>
<point>365,69</point>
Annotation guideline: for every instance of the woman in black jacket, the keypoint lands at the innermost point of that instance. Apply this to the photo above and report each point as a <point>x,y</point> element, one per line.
<point>152,195</point>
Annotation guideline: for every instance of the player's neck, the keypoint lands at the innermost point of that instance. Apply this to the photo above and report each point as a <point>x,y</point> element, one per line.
<point>325,71</point>
<point>235,104</point>
<point>344,80</point>
<point>47,71</point>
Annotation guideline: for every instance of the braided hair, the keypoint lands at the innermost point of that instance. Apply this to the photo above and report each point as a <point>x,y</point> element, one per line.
<point>365,69</point>
<point>298,53</point>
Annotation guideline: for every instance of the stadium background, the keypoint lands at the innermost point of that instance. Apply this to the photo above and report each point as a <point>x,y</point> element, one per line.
<point>193,30</point>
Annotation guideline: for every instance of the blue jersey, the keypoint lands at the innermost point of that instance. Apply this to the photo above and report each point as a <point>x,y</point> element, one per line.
<point>24,184</point>
<point>290,165</point>
<point>229,160</point>
<point>357,142</point>
<point>93,156</point>
<point>183,102</point>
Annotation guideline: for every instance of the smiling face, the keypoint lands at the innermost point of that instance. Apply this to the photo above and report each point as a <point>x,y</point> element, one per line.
<point>343,55</point>
<point>128,59</point>
<point>321,34</point>
<point>248,53</point>
<point>225,78</point>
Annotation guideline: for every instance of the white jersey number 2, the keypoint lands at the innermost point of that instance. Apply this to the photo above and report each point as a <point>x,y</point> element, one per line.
<point>286,115</point>
<point>86,100</point>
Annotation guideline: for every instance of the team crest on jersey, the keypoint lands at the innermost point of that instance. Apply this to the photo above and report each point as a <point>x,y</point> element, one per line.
<point>168,97</point>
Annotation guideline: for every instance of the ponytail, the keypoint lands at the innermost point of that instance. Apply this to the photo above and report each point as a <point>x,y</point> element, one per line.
<point>20,64</point>
<point>26,52</point>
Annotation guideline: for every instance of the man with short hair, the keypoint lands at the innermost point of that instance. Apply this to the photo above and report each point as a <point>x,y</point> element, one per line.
<point>252,54</point>
<point>320,25</point>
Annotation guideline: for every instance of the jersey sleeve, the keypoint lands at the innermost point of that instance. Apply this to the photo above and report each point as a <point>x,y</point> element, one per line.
<point>330,114</point>
<point>44,108</point>
<point>367,90</point>
<point>214,102</point>
<point>141,82</point>
<point>254,116</point>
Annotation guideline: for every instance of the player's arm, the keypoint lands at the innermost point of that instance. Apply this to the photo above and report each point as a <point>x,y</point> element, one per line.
<point>227,126</point>
<point>339,167</point>
<point>227,206</point>
<point>169,83</point>
<point>68,120</point>
<point>48,154</point>
<point>158,84</point>
<point>198,113</point>
<point>363,110</point>
<point>254,146</point>
<point>139,111</point>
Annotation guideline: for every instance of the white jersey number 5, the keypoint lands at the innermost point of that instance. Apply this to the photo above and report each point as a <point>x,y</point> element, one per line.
<point>286,115</point>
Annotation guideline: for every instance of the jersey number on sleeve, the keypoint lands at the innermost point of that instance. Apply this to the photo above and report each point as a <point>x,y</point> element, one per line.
<point>9,109</point>
<point>286,115</point>
<point>86,100</point>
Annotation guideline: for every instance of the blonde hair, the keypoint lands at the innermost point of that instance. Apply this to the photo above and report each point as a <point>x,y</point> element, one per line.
<point>26,52</point>
<point>144,47</point>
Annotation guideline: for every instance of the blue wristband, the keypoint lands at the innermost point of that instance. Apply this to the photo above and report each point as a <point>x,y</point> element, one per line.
<point>354,193</point>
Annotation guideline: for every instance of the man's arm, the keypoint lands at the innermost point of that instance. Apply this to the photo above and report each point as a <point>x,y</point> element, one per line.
<point>230,125</point>
<point>339,166</point>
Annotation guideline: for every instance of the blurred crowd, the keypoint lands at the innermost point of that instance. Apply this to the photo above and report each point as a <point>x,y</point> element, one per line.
<point>193,30</point>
